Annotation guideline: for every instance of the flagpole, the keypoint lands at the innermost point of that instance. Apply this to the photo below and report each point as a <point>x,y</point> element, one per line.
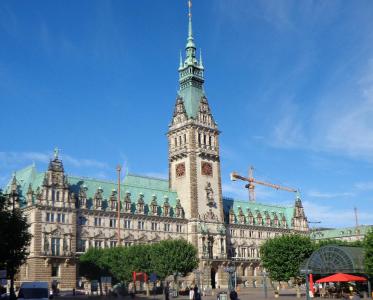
<point>118,204</point>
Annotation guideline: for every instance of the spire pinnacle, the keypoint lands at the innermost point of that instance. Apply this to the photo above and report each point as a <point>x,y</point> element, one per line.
<point>181,61</point>
<point>190,32</point>
<point>200,58</point>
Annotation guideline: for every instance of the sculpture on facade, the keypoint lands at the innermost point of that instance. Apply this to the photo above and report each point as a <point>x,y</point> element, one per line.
<point>209,194</point>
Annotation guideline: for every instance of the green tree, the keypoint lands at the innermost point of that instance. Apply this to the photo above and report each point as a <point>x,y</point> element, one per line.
<point>171,256</point>
<point>92,266</point>
<point>282,256</point>
<point>321,243</point>
<point>368,252</point>
<point>14,238</point>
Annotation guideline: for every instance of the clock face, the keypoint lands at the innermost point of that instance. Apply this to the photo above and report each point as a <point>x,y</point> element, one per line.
<point>180,170</point>
<point>206,168</point>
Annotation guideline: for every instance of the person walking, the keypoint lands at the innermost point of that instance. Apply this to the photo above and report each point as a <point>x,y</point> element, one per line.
<point>166,292</point>
<point>233,295</point>
<point>191,293</point>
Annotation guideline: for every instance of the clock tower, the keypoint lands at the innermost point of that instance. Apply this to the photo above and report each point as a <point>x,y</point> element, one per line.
<point>193,143</point>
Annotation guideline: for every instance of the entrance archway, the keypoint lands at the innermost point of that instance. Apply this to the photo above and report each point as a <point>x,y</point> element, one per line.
<point>213,276</point>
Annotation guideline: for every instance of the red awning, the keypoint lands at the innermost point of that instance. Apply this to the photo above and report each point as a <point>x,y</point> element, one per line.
<point>341,277</point>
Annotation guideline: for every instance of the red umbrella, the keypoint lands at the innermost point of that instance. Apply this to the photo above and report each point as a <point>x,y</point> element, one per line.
<point>341,277</point>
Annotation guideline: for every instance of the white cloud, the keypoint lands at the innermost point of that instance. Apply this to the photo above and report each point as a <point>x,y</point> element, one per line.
<point>364,186</point>
<point>318,194</point>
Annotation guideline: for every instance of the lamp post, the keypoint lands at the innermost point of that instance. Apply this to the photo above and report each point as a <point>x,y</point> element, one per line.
<point>230,270</point>
<point>306,272</point>
<point>265,284</point>
<point>197,273</point>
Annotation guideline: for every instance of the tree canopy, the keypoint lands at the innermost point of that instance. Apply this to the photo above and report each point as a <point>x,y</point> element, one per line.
<point>164,258</point>
<point>368,250</point>
<point>282,256</point>
<point>14,237</point>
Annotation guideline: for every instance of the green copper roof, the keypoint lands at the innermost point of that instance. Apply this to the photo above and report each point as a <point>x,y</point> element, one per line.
<point>191,75</point>
<point>340,232</point>
<point>256,207</point>
<point>134,184</point>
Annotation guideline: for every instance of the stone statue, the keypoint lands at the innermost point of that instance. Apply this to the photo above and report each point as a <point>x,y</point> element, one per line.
<point>46,243</point>
<point>209,194</point>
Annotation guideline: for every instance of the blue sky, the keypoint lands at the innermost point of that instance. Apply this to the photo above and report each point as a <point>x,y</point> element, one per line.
<point>290,84</point>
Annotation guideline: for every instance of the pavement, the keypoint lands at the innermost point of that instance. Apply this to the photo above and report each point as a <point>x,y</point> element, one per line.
<point>243,294</point>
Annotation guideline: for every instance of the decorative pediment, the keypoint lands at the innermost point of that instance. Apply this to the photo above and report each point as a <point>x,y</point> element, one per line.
<point>84,233</point>
<point>99,235</point>
<point>129,237</point>
<point>179,112</point>
<point>210,216</point>
<point>155,238</point>
<point>57,231</point>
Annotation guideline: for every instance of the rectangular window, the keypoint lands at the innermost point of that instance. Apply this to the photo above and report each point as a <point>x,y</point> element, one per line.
<point>126,244</point>
<point>58,196</point>
<point>56,246</point>
<point>127,224</point>
<point>55,270</point>
<point>98,244</point>
<point>82,220</point>
<point>52,217</point>
<point>242,233</point>
<point>140,225</point>
<point>63,218</point>
<point>113,223</point>
<point>48,217</point>
<point>179,228</point>
<point>268,234</point>
<point>81,245</point>
<point>97,221</point>
<point>243,252</point>
<point>58,218</point>
<point>260,234</point>
<point>167,227</point>
<point>154,226</point>
<point>113,244</point>
<point>53,196</point>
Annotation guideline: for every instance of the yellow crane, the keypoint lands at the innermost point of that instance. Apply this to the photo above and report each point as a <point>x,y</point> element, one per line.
<point>252,181</point>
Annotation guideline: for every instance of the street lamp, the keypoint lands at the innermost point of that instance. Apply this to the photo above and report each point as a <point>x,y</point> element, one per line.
<point>230,270</point>
<point>265,283</point>
<point>197,273</point>
<point>306,272</point>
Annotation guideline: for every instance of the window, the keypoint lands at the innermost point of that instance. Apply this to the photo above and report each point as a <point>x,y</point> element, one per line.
<point>251,233</point>
<point>175,142</point>
<point>127,223</point>
<point>179,139</point>
<point>242,233</point>
<point>268,234</point>
<point>140,225</point>
<point>53,196</point>
<point>82,220</point>
<point>113,223</point>
<point>60,218</point>
<point>243,252</point>
<point>97,221</point>
<point>260,234</point>
<point>50,217</point>
<point>55,246</point>
<point>81,245</point>
<point>179,228</point>
<point>58,196</point>
<point>113,244</point>
<point>98,244</point>
<point>154,226</point>
<point>167,227</point>
<point>55,270</point>
<point>233,233</point>
<point>126,244</point>
<point>184,138</point>
<point>199,138</point>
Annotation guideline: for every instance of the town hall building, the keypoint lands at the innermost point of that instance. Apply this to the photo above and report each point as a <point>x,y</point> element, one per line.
<point>70,214</point>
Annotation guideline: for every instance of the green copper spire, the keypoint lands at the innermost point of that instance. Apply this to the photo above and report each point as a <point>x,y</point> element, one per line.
<point>190,46</point>
<point>191,74</point>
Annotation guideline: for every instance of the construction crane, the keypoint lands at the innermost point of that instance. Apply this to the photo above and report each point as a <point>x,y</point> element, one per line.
<point>252,181</point>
